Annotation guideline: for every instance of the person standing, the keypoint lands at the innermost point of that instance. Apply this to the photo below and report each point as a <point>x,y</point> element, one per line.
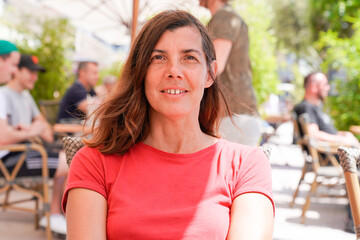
<point>75,103</point>
<point>231,43</point>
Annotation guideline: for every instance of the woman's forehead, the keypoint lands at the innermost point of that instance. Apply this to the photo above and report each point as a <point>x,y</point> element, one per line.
<point>187,35</point>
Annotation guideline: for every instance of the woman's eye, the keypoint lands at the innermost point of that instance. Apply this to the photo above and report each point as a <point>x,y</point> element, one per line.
<point>190,58</point>
<point>157,57</point>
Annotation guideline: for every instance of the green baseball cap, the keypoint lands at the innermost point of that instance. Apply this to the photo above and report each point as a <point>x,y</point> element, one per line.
<point>7,47</point>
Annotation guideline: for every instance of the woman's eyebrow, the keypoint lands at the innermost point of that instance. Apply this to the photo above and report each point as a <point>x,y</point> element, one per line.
<point>183,51</point>
<point>191,50</point>
<point>159,51</point>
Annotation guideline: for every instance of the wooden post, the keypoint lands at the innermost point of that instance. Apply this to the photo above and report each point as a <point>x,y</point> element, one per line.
<point>134,19</point>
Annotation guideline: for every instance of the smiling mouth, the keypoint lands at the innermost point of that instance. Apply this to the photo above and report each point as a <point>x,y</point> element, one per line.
<point>174,91</point>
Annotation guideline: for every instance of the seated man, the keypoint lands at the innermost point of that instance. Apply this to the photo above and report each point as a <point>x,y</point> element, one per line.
<point>320,127</point>
<point>9,59</point>
<point>24,121</point>
<point>75,104</point>
<point>316,90</point>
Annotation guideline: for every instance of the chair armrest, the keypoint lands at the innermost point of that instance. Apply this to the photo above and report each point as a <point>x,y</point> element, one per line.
<point>71,146</point>
<point>267,150</point>
<point>349,158</point>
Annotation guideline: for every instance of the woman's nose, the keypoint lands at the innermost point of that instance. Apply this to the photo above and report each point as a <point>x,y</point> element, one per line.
<point>174,69</point>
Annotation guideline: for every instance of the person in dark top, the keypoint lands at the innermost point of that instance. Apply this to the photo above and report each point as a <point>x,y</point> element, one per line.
<point>316,90</point>
<point>316,115</point>
<point>75,104</point>
<point>320,127</point>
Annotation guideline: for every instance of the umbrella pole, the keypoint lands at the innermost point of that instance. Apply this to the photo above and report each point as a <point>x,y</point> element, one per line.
<point>134,20</point>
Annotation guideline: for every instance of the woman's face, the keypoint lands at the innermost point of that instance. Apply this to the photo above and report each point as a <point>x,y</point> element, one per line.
<point>177,74</point>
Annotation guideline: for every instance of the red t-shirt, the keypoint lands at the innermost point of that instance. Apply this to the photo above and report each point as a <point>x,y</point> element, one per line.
<point>153,194</point>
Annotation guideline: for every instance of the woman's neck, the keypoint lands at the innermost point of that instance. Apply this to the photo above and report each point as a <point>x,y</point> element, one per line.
<point>177,136</point>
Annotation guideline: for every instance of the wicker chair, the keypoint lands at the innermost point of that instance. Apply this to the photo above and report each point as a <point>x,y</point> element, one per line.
<point>37,187</point>
<point>349,159</point>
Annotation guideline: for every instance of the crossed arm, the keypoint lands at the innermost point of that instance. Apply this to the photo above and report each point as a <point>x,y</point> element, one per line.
<point>12,135</point>
<point>341,137</point>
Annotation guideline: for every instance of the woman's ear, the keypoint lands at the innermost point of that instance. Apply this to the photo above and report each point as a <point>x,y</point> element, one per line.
<point>209,80</point>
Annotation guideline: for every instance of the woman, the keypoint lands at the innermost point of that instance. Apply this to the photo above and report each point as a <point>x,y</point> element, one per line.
<point>155,167</point>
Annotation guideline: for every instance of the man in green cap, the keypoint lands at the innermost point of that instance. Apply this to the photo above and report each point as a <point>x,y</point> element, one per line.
<point>9,59</point>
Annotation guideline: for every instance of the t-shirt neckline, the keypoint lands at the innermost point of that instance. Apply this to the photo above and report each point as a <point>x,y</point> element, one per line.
<point>210,148</point>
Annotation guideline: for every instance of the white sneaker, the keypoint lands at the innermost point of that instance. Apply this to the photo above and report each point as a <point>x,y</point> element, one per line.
<point>57,223</point>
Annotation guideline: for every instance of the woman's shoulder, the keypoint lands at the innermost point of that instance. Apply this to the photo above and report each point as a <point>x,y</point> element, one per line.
<point>88,150</point>
<point>241,148</point>
<point>240,153</point>
<point>95,152</point>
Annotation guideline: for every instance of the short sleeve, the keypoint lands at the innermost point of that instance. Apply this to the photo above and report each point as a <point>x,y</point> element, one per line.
<point>86,171</point>
<point>254,174</point>
<point>304,107</point>
<point>225,25</point>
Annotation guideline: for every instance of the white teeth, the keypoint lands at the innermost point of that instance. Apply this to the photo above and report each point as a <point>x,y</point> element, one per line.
<point>174,91</point>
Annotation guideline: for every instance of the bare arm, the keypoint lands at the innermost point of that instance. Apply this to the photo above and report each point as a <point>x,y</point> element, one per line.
<point>342,137</point>
<point>86,215</point>
<point>11,135</point>
<point>47,133</point>
<point>251,218</point>
<point>83,106</point>
<point>222,49</point>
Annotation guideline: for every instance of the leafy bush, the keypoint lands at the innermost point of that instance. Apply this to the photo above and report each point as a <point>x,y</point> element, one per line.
<point>50,40</point>
<point>342,54</point>
<point>333,15</point>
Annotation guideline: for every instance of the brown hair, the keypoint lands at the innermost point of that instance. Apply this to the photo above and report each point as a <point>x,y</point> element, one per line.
<point>123,119</point>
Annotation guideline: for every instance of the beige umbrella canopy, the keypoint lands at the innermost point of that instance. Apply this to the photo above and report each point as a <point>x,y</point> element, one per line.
<point>115,22</point>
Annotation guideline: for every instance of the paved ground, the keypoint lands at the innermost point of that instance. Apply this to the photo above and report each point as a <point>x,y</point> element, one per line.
<point>325,219</point>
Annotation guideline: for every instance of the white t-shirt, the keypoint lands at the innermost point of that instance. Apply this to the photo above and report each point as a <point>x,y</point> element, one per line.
<point>2,116</point>
<point>23,101</point>
<point>2,105</point>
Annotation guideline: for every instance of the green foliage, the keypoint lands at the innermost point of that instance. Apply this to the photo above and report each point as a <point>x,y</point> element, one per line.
<point>335,15</point>
<point>50,40</point>
<point>291,24</point>
<point>258,15</point>
<point>342,54</point>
